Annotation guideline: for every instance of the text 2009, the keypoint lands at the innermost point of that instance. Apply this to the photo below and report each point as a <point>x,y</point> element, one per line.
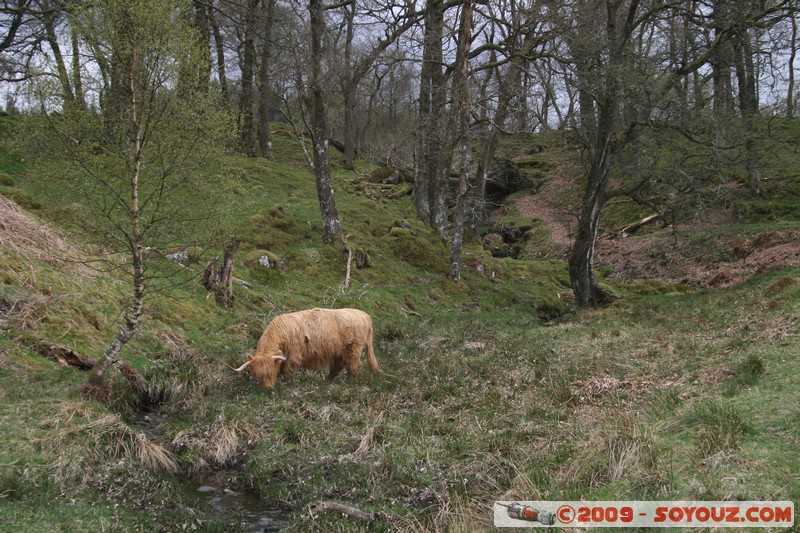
<point>604,514</point>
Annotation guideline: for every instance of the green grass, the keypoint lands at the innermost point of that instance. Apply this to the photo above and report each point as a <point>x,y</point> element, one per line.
<point>494,387</point>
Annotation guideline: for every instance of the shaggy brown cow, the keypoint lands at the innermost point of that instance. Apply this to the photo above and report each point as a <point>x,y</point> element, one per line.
<point>314,339</point>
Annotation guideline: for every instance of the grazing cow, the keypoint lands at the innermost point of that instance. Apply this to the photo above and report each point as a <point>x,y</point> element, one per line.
<point>314,339</point>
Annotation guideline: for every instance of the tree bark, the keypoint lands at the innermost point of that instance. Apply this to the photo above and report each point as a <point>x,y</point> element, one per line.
<point>246,138</point>
<point>264,138</point>
<point>430,185</point>
<point>792,57</point>
<point>461,84</point>
<point>77,82</point>
<point>748,106</point>
<point>225,284</point>
<point>581,262</point>
<point>136,239</point>
<point>331,227</point>
<point>350,86</point>
<point>219,46</point>
<point>61,67</point>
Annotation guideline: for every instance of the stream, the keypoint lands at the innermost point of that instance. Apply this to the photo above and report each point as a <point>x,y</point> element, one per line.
<point>253,514</point>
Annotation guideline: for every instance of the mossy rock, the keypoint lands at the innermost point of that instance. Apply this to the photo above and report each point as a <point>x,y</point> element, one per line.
<point>396,232</point>
<point>495,245</point>
<point>418,248</point>
<point>262,259</point>
<point>195,253</point>
<point>6,180</point>
<point>271,229</point>
<point>384,175</point>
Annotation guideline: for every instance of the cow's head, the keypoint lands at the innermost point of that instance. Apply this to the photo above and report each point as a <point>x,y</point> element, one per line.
<point>265,368</point>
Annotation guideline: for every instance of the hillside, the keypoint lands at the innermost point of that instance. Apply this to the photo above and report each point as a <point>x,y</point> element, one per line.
<point>494,387</point>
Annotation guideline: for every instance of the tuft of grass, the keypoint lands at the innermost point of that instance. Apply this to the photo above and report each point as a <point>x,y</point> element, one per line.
<point>716,427</point>
<point>111,438</point>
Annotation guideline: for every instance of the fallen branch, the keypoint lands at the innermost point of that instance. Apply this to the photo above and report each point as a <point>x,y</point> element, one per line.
<point>632,228</point>
<point>64,356</point>
<point>321,507</point>
<point>346,282</point>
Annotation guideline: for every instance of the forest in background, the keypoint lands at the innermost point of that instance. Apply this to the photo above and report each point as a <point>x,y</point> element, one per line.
<point>429,88</point>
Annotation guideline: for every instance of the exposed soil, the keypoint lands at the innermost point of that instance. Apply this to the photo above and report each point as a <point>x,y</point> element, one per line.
<point>675,255</point>
<point>554,206</point>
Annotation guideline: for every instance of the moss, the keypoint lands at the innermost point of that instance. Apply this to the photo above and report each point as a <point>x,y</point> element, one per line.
<point>272,229</point>
<point>417,248</point>
<point>381,174</point>
<point>23,200</point>
<point>262,259</point>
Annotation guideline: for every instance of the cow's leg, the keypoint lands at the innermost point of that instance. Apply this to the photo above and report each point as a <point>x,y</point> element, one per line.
<point>336,367</point>
<point>353,359</point>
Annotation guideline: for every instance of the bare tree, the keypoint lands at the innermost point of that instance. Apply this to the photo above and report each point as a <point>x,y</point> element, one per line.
<point>137,178</point>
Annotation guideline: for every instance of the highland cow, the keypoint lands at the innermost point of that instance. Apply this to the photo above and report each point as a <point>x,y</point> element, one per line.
<point>313,339</point>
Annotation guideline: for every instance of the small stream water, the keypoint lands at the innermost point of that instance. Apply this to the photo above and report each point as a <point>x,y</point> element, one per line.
<point>253,514</point>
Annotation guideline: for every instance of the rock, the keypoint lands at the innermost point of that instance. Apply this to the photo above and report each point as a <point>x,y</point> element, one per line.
<point>181,256</point>
<point>206,489</point>
<point>262,259</point>
<point>495,245</point>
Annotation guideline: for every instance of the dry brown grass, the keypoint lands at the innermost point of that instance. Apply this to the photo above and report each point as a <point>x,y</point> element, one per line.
<point>220,444</point>
<point>81,437</point>
<point>35,240</point>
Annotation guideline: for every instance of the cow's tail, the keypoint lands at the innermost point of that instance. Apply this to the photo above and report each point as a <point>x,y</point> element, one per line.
<point>371,360</point>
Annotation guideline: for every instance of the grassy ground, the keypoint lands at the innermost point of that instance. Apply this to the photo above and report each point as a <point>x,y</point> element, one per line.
<point>494,388</point>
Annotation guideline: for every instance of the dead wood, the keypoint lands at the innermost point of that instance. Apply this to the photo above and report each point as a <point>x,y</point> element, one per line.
<point>346,282</point>
<point>64,356</point>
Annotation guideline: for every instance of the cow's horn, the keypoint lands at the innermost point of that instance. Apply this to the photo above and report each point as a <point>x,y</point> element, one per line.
<point>243,366</point>
<point>279,358</point>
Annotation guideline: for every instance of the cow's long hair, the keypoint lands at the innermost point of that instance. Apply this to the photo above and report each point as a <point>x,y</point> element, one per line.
<point>313,339</point>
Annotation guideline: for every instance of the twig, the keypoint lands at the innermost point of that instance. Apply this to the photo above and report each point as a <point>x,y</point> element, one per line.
<point>346,282</point>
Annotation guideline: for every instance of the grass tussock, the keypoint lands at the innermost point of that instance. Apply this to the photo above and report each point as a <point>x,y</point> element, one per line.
<point>79,423</point>
<point>612,445</point>
<point>220,444</point>
<point>716,427</point>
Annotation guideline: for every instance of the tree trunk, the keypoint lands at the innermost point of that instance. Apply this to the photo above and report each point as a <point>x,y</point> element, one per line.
<point>748,106</point>
<point>331,227</point>
<point>430,188</point>
<point>581,262</point>
<point>264,138</point>
<point>246,137</point>
<point>224,287</point>
<point>349,88</point>
<point>61,67</point>
<point>219,46</point>
<point>792,57</point>
<point>461,84</point>
<point>131,320</point>
<point>77,82</point>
